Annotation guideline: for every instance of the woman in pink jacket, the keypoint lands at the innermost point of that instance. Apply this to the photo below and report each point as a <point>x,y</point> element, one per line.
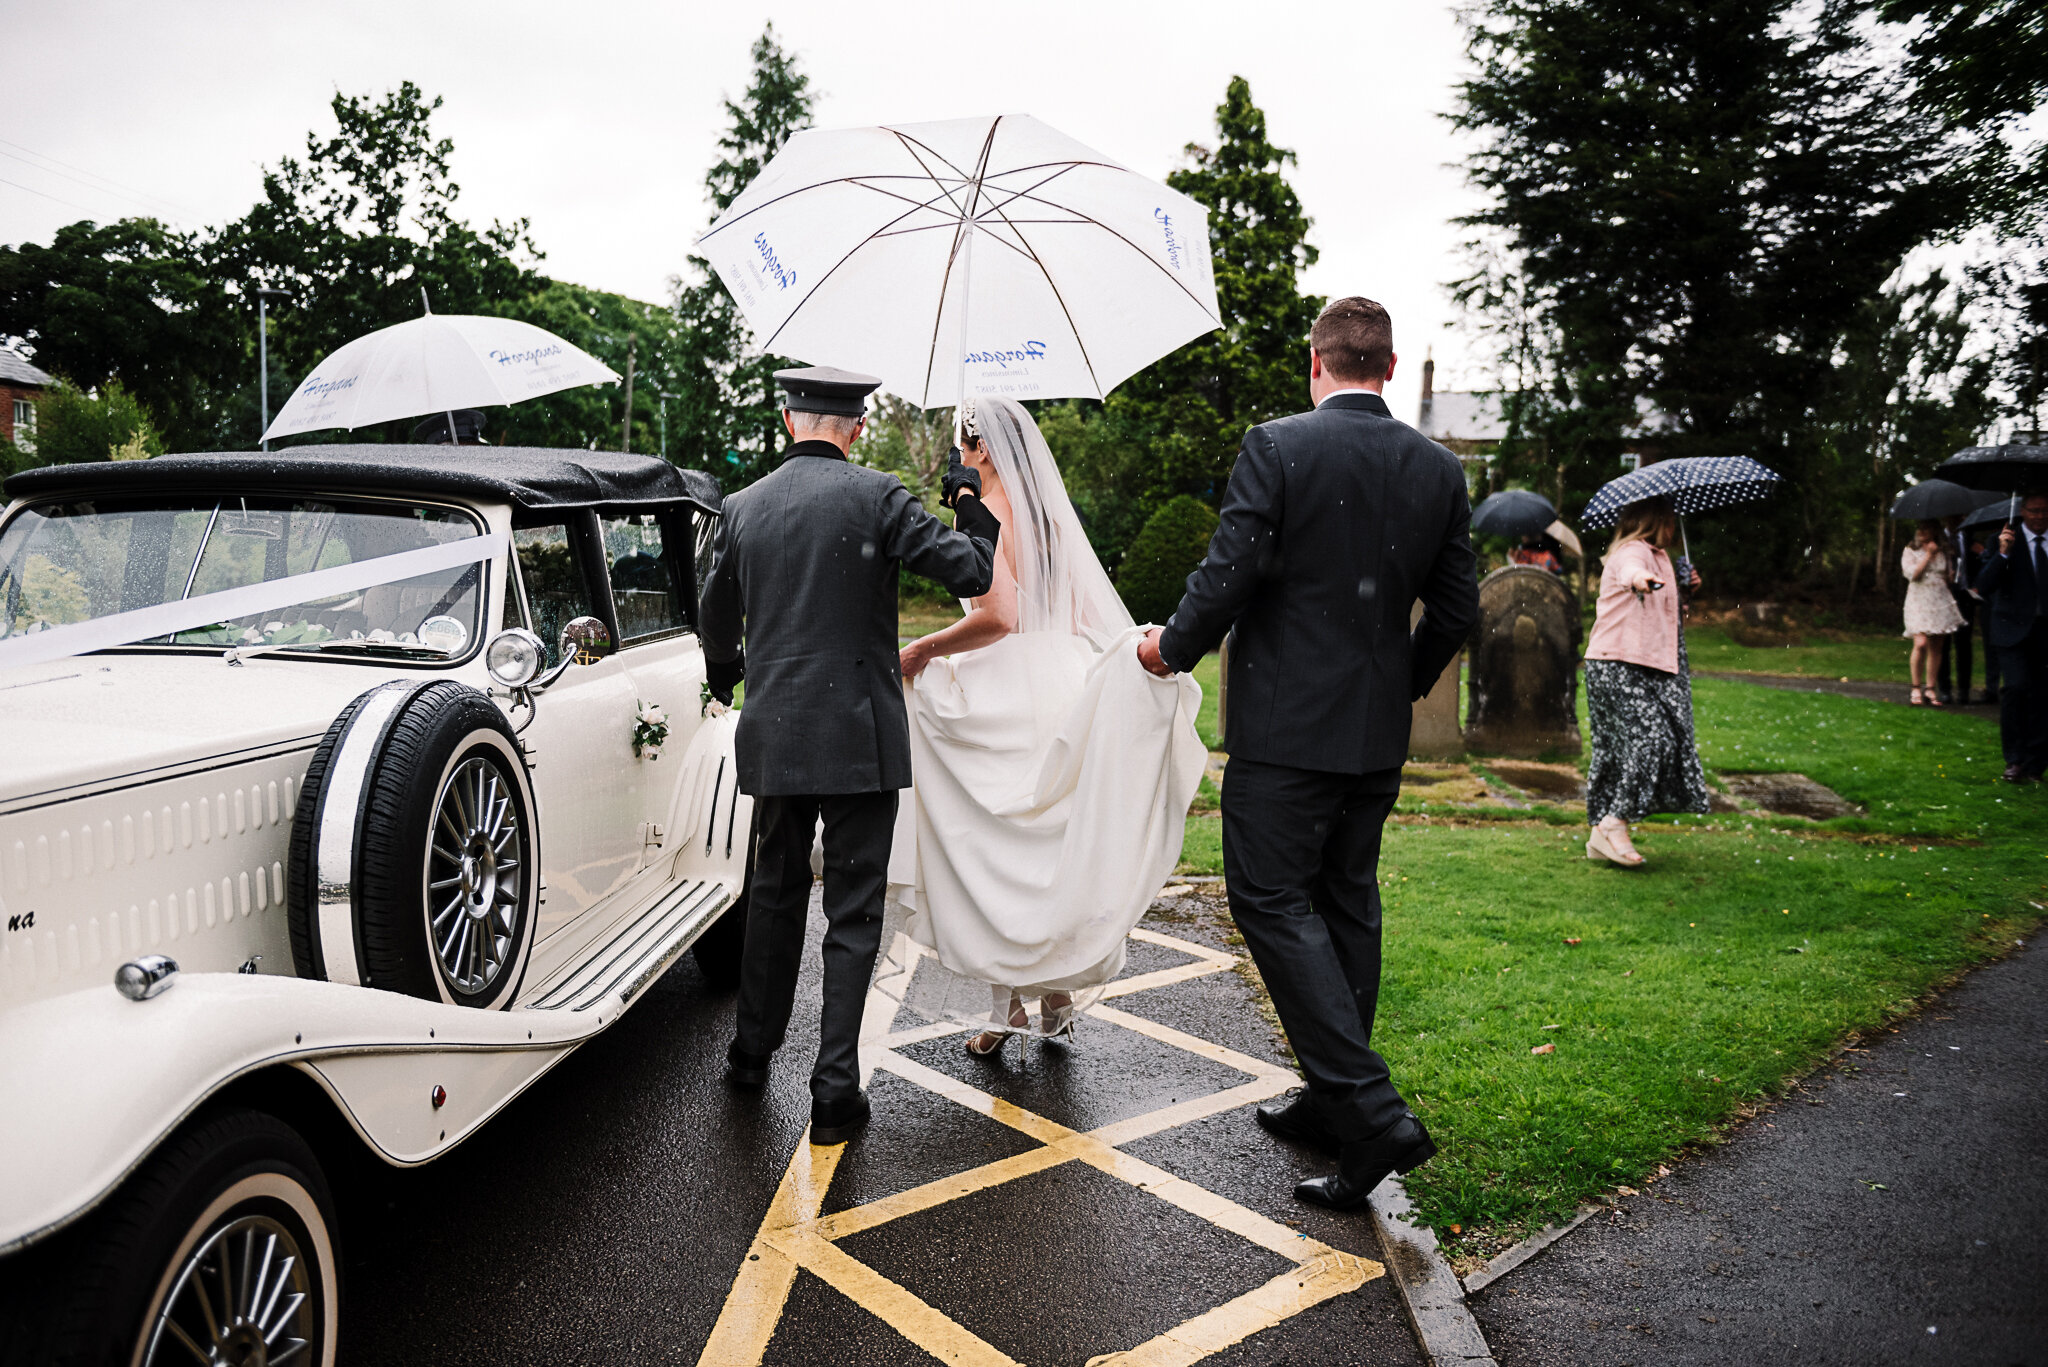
<point>1638,690</point>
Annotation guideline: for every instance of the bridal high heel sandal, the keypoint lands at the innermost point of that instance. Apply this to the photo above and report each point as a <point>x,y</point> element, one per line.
<point>1614,846</point>
<point>989,1042</point>
<point>1057,1020</point>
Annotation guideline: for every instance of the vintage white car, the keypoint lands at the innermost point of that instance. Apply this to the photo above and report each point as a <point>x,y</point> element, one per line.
<point>335,808</point>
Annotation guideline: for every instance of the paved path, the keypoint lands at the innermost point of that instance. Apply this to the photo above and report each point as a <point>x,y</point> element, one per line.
<point>1892,1210</point>
<point>1049,1209</point>
<point>1848,688</point>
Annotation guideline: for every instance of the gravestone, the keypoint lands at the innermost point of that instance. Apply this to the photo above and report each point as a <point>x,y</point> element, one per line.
<point>1523,688</point>
<point>1434,732</point>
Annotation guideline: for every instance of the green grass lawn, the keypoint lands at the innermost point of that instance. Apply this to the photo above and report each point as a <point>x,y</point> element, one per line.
<point>1738,959</point>
<point>1820,655</point>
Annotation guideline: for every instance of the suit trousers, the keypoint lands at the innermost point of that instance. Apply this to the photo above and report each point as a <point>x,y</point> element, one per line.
<point>1955,661</point>
<point>2023,700</point>
<point>859,828</point>
<point>1301,852</point>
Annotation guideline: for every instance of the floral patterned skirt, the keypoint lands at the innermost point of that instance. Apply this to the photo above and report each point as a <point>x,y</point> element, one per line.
<point>1644,756</point>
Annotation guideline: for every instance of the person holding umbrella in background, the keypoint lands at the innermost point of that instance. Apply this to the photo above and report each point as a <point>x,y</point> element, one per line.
<point>2014,584</point>
<point>1956,660</point>
<point>1638,690</point>
<point>1931,612</point>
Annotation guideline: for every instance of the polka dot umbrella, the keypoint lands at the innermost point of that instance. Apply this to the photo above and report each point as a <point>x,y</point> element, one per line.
<point>1695,484</point>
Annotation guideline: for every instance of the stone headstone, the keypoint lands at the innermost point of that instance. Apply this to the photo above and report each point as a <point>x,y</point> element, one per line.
<point>1523,688</point>
<point>1434,732</point>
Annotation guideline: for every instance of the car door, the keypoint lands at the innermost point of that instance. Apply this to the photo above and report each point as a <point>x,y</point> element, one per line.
<point>581,737</point>
<point>647,557</point>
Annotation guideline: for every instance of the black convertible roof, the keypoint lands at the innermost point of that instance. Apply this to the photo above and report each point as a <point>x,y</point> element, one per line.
<point>530,477</point>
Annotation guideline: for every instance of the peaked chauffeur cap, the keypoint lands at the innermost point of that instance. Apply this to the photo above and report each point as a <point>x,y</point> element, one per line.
<point>824,389</point>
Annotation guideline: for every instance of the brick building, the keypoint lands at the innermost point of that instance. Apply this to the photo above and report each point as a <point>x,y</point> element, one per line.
<point>21,384</point>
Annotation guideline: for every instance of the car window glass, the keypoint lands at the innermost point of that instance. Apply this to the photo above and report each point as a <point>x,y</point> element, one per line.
<point>642,588</point>
<point>65,563</point>
<point>555,591</point>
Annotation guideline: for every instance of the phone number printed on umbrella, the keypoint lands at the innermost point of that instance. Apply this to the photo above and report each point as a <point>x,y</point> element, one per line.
<point>771,266</point>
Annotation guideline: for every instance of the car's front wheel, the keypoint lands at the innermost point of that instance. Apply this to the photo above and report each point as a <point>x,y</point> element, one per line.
<point>220,1249</point>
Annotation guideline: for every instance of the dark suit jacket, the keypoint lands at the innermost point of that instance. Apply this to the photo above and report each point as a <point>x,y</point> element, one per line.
<point>2007,583</point>
<point>1334,523</point>
<point>804,566</point>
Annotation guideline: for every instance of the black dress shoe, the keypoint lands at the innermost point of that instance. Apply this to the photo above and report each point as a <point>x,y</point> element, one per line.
<point>2015,774</point>
<point>1365,1163</point>
<point>744,1069</point>
<point>1297,1119</point>
<point>1948,699</point>
<point>835,1122</point>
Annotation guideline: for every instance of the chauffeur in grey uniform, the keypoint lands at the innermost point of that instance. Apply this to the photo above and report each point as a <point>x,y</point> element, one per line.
<point>804,567</point>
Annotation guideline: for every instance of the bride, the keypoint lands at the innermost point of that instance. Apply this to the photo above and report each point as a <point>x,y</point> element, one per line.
<point>1053,773</point>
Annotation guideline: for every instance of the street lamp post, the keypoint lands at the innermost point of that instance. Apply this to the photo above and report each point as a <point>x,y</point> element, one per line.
<point>664,422</point>
<point>263,293</point>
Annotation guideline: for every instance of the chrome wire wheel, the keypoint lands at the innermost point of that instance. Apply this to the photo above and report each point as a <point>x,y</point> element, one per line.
<point>476,869</point>
<point>244,1297</point>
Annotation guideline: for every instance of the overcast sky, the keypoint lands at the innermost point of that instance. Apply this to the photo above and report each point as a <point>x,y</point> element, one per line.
<point>598,120</point>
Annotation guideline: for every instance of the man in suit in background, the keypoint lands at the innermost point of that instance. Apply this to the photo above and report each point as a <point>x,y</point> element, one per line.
<point>2014,583</point>
<point>804,567</point>
<point>1335,522</point>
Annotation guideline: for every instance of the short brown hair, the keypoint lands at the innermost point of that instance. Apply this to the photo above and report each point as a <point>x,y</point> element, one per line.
<point>1355,338</point>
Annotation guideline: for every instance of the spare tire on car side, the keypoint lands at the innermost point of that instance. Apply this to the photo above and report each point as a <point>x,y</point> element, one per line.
<point>414,853</point>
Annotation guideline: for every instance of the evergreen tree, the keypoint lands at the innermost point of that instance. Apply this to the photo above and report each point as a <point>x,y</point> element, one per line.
<point>1700,197</point>
<point>1982,65</point>
<point>1174,428</point>
<point>727,416</point>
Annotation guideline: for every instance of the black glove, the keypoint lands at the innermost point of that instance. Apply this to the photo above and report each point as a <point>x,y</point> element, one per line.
<point>721,677</point>
<point>958,477</point>
<point>974,518</point>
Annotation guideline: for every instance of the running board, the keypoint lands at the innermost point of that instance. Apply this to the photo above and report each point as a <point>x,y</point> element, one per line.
<point>641,951</point>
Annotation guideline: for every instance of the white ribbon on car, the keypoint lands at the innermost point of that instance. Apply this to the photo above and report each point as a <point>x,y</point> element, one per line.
<point>190,614</point>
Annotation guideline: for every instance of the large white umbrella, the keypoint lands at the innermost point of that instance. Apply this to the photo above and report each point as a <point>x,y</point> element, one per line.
<point>996,253</point>
<point>435,364</point>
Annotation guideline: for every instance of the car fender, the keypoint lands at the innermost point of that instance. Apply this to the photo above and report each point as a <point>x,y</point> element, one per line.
<point>94,1081</point>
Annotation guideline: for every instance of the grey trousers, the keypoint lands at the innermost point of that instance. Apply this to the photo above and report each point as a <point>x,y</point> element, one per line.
<point>859,828</point>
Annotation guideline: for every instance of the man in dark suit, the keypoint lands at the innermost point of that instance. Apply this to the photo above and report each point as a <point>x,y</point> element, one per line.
<point>2014,583</point>
<point>804,567</point>
<point>1335,522</point>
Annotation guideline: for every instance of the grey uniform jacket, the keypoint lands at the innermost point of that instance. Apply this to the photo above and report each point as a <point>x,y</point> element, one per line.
<point>1334,523</point>
<point>804,567</point>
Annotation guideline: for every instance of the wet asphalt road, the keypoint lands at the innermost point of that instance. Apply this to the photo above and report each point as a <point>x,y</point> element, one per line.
<point>603,1216</point>
<point>1892,1210</point>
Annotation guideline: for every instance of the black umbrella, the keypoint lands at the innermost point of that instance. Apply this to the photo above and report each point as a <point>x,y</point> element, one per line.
<point>1996,511</point>
<point>1513,512</point>
<point>2011,468</point>
<point>1936,498</point>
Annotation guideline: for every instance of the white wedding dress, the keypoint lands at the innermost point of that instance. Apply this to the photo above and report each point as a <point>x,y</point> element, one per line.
<point>1053,778</point>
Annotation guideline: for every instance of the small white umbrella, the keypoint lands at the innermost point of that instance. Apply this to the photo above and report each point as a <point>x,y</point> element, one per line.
<point>994,254</point>
<point>435,364</point>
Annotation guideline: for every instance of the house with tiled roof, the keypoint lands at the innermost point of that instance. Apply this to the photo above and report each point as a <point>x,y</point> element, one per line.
<point>21,384</point>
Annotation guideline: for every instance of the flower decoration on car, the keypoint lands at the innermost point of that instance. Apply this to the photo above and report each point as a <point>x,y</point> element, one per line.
<point>708,706</point>
<point>650,730</point>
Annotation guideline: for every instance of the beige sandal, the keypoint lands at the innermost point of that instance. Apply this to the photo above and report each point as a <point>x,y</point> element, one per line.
<point>1601,844</point>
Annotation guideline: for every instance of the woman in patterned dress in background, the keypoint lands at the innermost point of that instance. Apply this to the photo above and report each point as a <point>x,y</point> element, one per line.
<point>1638,688</point>
<point>1931,611</point>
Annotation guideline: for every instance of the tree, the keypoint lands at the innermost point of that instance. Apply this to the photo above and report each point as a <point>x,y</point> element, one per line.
<point>1174,428</point>
<point>1982,65</point>
<point>357,231</point>
<point>1155,569</point>
<point>130,302</point>
<point>1700,197</point>
<point>730,412</point>
<point>73,427</point>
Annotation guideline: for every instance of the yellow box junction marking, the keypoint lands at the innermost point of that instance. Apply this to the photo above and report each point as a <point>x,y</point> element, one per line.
<point>794,1236</point>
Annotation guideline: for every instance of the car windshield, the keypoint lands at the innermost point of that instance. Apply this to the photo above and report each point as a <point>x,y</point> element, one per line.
<point>62,563</point>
